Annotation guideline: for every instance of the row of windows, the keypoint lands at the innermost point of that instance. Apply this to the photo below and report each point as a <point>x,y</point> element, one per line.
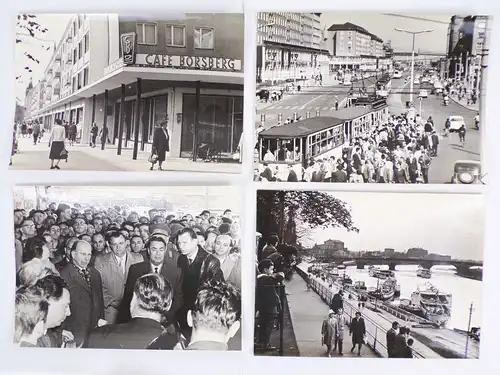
<point>326,140</point>
<point>81,49</point>
<point>175,35</point>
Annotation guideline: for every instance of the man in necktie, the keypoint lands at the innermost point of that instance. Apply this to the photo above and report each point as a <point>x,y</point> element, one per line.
<point>157,263</point>
<point>85,288</point>
<point>113,268</point>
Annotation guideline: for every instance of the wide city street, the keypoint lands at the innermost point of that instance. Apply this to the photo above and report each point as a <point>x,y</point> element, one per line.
<point>322,98</point>
<point>309,99</point>
<point>450,149</point>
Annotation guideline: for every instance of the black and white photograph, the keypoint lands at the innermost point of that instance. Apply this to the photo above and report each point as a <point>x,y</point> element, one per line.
<point>118,92</point>
<point>370,97</point>
<point>128,267</point>
<point>369,275</point>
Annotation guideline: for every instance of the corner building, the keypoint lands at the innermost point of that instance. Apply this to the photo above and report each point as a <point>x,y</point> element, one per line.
<point>188,70</point>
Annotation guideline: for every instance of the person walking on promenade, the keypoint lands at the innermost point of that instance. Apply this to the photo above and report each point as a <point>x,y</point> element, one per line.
<point>357,330</point>
<point>337,301</point>
<point>461,134</point>
<point>391,339</point>
<point>36,132</point>
<point>161,140</point>
<point>328,332</point>
<point>340,327</point>
<point>93,134</point>
<point>56,144</point>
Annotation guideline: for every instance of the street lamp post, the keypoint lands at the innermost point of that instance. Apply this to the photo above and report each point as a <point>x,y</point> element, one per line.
<point>413,33</point>
<point>295,57</point>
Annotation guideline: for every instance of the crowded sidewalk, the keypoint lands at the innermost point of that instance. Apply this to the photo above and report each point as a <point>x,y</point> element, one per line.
<point>308,312</point>
<point>36,157</point>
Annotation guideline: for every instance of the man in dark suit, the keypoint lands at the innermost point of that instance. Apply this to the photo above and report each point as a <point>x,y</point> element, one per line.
<point>358,331</point>
<point>85,288</point>
<point>198,266</point>
<point>156,263</point>
<point>152,298</point>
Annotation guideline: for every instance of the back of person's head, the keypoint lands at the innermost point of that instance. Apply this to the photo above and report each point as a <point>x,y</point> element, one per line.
<point>410,342</point>
<point>33,248</point>
<point>265,264</point>
<point>34,270</point>
<point>152,293</point>
<point>52,286</point>
<point>272,240</point>
<point>402,330</point>
<point>31,310</point>
<point>395,325</point>
<point>217,309</point>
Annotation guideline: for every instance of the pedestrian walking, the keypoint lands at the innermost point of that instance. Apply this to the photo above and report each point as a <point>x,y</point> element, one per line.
<point>391,340</point>
<point>340,326</point>
<point>94,131</point>
<point>357,330</point>
<point>328,332</point>
<point>36,132</point>
<point>461,134</point>
<point>161,145</point>
<point>56,143</point>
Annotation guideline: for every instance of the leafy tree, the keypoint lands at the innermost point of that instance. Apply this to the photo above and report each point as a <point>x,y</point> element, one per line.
<point>309,210</point>
<point>28,29</point>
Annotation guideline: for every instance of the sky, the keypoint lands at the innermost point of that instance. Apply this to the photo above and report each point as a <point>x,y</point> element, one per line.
<point>56,25</point>
<point>383,26</point>
<point>447,224</point>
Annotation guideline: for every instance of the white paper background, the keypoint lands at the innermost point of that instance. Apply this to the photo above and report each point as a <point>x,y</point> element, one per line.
<point>141,362</point>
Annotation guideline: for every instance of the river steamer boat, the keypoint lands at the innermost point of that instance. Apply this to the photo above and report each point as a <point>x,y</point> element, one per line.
<point>429,303</point>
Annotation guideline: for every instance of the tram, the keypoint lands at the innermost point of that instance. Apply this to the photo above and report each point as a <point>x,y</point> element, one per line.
<point>295,145</point>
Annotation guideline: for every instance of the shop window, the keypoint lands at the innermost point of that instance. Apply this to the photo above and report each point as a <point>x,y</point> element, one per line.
<point>175,36</point>
<point>146,33</point>
<point>203,38</point>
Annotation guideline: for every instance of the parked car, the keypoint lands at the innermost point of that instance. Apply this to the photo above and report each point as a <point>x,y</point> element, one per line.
<point>467,172</point>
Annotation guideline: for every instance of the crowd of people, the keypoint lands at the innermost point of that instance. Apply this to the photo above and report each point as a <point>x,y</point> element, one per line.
<point>275,262</point>
<point>108,277</point>
<point>399,151</point>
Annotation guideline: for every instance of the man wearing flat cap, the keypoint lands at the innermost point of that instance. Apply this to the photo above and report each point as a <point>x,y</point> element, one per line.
<point>162,260</point>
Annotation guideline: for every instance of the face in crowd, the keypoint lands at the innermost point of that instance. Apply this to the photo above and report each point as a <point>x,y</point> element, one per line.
<point>157,251</point>
<point>81,254</point>
<point>118,245</point>
<point>187,244</point>
<point>223,245</point>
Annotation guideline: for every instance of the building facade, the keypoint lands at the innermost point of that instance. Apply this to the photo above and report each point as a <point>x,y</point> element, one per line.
<point>188,71</point>
<point>354,48</point>
<point>329,249</point>
<point>289,46</point>
<point>466,41</point>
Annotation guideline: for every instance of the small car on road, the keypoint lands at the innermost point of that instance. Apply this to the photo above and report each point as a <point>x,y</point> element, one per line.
<point>423,93</point>
<point>467,172</point>
<point>456,123</point>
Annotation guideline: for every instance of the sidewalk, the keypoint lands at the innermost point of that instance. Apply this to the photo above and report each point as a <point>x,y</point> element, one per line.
<point>463,103</point>
<point>124,162</point>
<point>308,312</point>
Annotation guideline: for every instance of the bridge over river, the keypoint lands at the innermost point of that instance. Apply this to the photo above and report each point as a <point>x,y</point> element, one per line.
<point>462,266</point>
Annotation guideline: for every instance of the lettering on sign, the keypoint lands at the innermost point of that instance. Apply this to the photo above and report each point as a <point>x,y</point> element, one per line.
<point>117,64</point>
<point>189,62</point>
<point>128,48</point>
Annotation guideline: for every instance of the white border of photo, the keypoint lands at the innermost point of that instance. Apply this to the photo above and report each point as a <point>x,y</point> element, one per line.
<point>16,360</point>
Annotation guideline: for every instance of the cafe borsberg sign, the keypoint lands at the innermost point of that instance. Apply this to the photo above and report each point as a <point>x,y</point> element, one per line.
<point>188,62</point>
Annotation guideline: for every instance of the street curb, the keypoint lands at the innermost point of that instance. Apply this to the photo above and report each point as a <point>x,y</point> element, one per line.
<point>463,105</point>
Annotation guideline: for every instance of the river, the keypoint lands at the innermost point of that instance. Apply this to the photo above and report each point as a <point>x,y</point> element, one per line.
<point>464,291</point>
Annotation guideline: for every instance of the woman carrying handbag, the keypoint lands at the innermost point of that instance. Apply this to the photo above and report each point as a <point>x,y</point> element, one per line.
<point>56,143</point>
<point>161,140</point>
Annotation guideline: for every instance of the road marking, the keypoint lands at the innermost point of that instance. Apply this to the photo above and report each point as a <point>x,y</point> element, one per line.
<point>311,101</point>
